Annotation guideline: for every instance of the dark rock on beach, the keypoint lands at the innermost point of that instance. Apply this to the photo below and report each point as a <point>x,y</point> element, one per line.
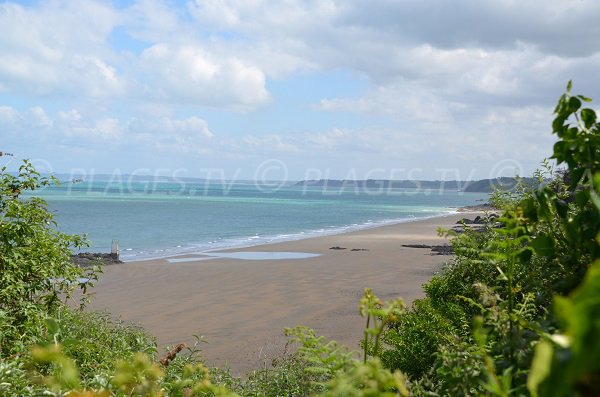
<point>435,249</point>
<point>479,207</point>
<point>442,250</point>
<point>416,245</point>
<point>478,220</point>
<point>85,259</point>
<point>478,224</point>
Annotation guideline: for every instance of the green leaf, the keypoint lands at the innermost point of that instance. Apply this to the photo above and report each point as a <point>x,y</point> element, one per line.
<point>529,210</point>
<point>595,198</point>
<point>581,198</point>
<point>51,325</point>
<point>560,149</point>
<point>584,98</point>
<point>588,116</point>
<point>558,125</point>
<point>574,104</point>
<point>70,342</point>
<point>525,255</point>
<point>562,208</point>
<point>540,367</point>
<point>576,176</point>
<point>543,245</point>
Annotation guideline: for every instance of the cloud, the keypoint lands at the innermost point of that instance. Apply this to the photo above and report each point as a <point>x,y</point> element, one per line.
<point>466,81</point>
<point>191,126</point>
<point>58,48</point>
<point>561,27</point>
<point>327,31</point>
<point>8,115</point>
<point>190,74</point>
<point>220,54</point>
<point>72,127</point>
<point>402,102</point>
<point>465,51</point>
<point>39,117</point>
<point>35,118</point>
<point>66,49</point>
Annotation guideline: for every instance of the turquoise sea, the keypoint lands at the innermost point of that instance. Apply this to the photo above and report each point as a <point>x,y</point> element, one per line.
<point>157,219</point>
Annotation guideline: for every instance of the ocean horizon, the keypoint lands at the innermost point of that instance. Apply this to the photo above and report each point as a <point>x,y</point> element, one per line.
<point>157,219</point>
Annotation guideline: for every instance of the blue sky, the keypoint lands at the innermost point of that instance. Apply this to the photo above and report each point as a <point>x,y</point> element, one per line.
<point>424,89</point>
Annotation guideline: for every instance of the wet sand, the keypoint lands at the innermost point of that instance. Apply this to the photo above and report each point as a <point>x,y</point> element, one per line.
<point>241,306</point>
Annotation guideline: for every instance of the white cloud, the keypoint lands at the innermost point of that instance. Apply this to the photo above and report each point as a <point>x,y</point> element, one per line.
<point>356,33</point>
<point>223,58</point>
<point>33,119</point>
<point>192,126</point>
<point>39,117</point>
<point>8,115</point>
<point>155,21</point>
<point>72,127</point>
<point>190,74</point>
<point>65,49</point>
<point>275,144</point>
<point>496,52</point>
<point>58,48</point>
<point>441,76</point>
<point>71,115</point>
<point>171,136</point>
<point>403,102</point>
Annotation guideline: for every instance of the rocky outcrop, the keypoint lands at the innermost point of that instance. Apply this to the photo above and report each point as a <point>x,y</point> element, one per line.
<point>435,249</point>
<point>85,259</point>
<point>478,224</point>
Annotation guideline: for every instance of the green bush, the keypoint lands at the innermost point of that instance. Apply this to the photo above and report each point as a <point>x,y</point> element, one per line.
<point>415,338</point>
<point>508,276</point>
<point>96,342</point>
<point>35,266</point>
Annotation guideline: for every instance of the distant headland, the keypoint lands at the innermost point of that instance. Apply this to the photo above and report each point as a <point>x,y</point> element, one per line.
<point>478,186</point>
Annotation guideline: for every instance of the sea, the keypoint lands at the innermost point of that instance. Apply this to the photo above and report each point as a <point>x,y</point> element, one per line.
<point>157,219</point>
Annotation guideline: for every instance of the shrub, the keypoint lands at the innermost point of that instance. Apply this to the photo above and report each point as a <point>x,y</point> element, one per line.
<point>35,267</point>
<point>415,338</point>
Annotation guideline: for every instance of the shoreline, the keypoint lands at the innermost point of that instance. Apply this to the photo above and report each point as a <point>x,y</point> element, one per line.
<point>298,236</point>
<point>242,306</point>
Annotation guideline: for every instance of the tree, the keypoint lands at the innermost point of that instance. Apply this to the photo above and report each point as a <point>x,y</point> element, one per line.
<point>35,266</point>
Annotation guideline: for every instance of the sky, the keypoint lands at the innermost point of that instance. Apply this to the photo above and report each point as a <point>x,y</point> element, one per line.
<point>289,89</point>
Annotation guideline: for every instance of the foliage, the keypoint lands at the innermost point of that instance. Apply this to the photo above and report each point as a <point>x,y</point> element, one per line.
<point>35,270</point>
<point>567,362</point>
<point>380,315</point>
<point>285,376</point>
<point>367,379</point>
<point>320,359</point>
<point>92,341</point>
<point>459,370</point>
<point>138,376</point>
<point>570,360</point>
<point>96,342</point>
<point>414,339</point>
<point>507,275</point>
<point>14,379</point>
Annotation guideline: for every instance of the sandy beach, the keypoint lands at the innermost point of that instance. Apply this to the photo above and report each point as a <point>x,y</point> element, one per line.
<point>241,306</point>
